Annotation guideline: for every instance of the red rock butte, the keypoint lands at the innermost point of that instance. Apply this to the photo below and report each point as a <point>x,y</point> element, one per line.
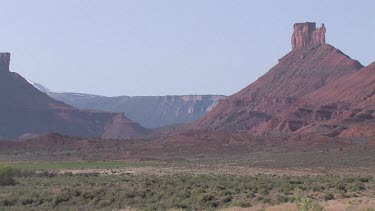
<point>315,88</point>
<point>305,34</point>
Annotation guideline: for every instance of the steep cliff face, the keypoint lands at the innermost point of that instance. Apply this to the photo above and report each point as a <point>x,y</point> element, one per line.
<point>274,101</point>
<point>24,109</point>
<point>305,34</point>
<point>149,111</point>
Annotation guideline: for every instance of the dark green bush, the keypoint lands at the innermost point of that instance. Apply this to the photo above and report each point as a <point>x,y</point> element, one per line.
<point>283,199</point>
<point>357,186</point>
<point>328,196</point>
<point>243,204</point>
<point>206,197</point>
<point>8,202</point>
<point>227,199</point>
<point>341,187</point>
<point>266,200</point>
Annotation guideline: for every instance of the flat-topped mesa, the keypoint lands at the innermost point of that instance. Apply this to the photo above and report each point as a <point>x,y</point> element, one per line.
<point>305,34</point>
<point>4,62</point>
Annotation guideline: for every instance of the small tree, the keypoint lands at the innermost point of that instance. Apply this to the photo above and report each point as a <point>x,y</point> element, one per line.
<point>6,175</point>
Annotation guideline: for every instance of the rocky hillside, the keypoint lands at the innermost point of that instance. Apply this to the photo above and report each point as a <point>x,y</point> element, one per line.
<point>347,105</point>
<point>149,111</point>
<point>314,88</point>
<point>25,110</point>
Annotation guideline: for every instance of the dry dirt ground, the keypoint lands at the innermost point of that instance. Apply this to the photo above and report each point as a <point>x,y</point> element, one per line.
<point>202,169</point>
<point>201,153</point>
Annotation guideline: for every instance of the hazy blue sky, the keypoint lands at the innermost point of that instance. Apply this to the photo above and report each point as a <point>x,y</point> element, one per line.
<point>160,47</point>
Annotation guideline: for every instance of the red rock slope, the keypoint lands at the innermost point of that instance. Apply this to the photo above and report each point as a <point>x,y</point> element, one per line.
<point>270,102</point>
<point>348,105</point>
<point>26,110</point>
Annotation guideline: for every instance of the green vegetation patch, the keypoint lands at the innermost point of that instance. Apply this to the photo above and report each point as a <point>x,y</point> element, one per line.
<point>186,192</point>
<point>6,175</point>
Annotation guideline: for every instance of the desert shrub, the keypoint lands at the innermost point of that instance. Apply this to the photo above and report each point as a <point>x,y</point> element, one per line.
<point>220,187</point>
<point>328,196</point>
<point>306,204</point>
<point>26,201</point>
<point>266,200</point>
<point>104,203</point>
<point>341,187</point>
<point>357,186</point>
<point>243,204</point>
<point>8,202</point>
<point>214,204</point>
<point>227,193</point>
<point>250,195</point>
<point>283,199</point>
<point>316,188</point>
<point>227,199</point>
<point>206,197</point>
<point>285,188</point>
<point>6,175</point>
<point>263,192</point>
<point>365,179</point>
<point>61,198</point>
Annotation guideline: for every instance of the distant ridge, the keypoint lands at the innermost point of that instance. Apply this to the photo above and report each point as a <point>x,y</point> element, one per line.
<point>149,111</point>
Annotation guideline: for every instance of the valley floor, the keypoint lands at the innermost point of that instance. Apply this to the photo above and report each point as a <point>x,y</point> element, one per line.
<point>204,173</point>
<point>126,187</point>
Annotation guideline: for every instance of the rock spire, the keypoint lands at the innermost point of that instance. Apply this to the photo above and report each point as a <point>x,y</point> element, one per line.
<point>305,34</point>
<point>4,62</point>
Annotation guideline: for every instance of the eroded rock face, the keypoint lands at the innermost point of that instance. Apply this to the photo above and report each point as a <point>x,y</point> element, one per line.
<point>305,34</point>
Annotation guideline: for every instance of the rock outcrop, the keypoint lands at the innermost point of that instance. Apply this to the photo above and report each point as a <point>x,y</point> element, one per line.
<point>305,34</point>
<point>26,110</point>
